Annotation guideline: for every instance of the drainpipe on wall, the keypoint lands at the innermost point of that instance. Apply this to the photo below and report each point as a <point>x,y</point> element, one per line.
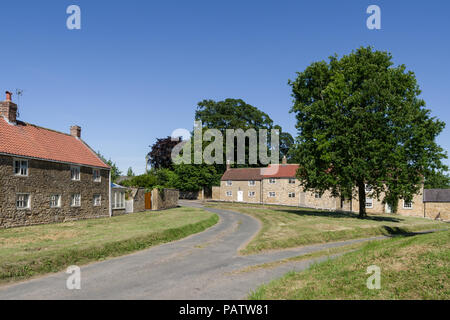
<point>110,204</point>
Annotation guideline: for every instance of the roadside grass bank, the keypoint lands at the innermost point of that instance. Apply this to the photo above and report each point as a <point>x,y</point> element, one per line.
<point>289,227</point>
<point>412,267</point>
<point>29,251</point>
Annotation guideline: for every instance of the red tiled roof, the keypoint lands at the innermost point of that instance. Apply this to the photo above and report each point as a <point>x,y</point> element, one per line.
<point>24,139</point>
<point>280,171</point>
<point>242,174</point>
<point>272,171</point>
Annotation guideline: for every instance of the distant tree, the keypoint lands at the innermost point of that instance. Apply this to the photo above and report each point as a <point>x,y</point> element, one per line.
<point>147,181</point>
<point>191,177</point>
<point>437,179</point>
<point>115,172</point>
<point>130,172</point>
<point>361,121</point>
<point>237,114</point>
<point>160,155</point>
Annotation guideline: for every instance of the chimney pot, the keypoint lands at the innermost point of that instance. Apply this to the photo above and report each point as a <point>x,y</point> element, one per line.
<point>75,131</point>
<point>8,96</point>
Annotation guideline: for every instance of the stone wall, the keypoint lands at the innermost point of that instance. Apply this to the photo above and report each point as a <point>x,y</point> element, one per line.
<point>118,212</point>
<point>138,196</point>
<point>325,201</point>
<point>440,210</point>
<point>166,199</point>
<point>240,186</point>
<point>216,193</point>
<point>44,179</point>
<point>282,188</point>
<point>380,207</point>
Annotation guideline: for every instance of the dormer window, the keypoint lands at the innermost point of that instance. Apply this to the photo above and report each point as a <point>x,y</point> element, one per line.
<point>20,167</point>
<point>75,173</point>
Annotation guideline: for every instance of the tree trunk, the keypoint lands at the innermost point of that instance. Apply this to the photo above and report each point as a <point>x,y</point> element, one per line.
<point>362,199</point>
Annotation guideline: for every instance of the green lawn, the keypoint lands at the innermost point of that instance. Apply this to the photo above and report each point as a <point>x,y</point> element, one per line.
<point>416,267</point>
<point>287,227</point>
<point>28,251</point>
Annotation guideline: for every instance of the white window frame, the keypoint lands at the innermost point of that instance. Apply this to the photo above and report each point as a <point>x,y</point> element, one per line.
<point>77,175</point>
<point>229,193</point>
<point>229,183</point>
<point>99,197</point>
<point>58,201</point>
<point>368,188</point>
<point>96,178</point>
<point>272,180</point>
<point>251,183</point>
<point>20,167</point>
<point>407,207</point>
<point>73,200</point>
<point>291,181</point>
<point>291,195</point>
<point>28,200</point>
<point>369,203</point>
<point>274,194</point>
<point>251,194</point>
<point>119,199</point>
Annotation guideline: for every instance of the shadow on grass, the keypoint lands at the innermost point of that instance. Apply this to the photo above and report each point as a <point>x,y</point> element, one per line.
<point>400,232</point>
<point>337,214</point>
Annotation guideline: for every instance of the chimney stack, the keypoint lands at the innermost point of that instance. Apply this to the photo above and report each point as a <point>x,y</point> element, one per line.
<point>284,161</point>
<point>75,131</point>
<point>8,109</point>
<point>228,165</point>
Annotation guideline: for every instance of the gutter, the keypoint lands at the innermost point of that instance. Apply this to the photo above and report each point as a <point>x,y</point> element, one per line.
<point>110,204</point>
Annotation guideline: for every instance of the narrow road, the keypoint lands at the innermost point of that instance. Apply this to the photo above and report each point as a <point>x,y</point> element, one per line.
<point>202,266</point>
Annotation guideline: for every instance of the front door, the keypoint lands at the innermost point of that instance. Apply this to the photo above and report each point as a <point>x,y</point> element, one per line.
<point>387,208</point>
<point>240,196</point>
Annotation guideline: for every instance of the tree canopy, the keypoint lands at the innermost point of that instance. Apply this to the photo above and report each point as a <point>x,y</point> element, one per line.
<point>437,179</point>
<point>160,155</point>
<point>361,121</point>
<point>237,114</point>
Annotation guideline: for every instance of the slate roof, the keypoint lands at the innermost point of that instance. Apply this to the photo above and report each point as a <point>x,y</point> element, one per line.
<point>28,140</point>
<point>436,195</point>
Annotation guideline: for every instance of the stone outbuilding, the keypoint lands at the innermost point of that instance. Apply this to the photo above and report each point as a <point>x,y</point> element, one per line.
<point>437,203</point>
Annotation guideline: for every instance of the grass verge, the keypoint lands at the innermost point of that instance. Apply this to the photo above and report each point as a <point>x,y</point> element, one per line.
<point>416,267</point>
<point>289,227</point>
<point>29,251</point>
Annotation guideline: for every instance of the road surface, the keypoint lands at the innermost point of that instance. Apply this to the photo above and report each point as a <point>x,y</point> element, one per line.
<point>203,266</point>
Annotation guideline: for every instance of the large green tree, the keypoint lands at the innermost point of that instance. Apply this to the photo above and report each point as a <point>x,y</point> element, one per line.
<point>237,114</point>
<point>361,121</point>
<point>194,177</point>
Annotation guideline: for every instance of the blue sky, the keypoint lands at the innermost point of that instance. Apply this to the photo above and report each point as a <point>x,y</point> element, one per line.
<point>137,69</point>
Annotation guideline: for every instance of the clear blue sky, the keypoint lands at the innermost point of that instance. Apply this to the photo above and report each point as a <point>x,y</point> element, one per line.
<point>136,69</point>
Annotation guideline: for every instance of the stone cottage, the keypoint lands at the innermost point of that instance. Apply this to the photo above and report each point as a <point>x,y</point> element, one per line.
<point>48,176</point>
<point>277,184</point>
